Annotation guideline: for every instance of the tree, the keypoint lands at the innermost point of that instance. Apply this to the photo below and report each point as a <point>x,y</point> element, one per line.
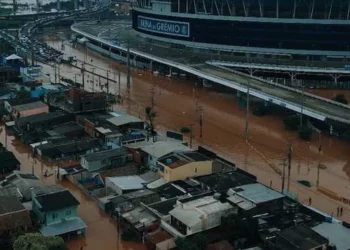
<point>151,114</point>
<point>341,99</point>
<point>35,241</point>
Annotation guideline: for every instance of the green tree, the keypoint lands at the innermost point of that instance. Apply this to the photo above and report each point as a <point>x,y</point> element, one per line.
<point>35,241</point>
<point>341,99</point>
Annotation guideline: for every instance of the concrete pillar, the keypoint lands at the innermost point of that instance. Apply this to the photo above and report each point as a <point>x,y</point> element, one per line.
<point>151,66</point>
<point>76,4</point>
<point>58,5</point>
<point>171,72</point>
<point>331,130</point>
<point>239,94</point>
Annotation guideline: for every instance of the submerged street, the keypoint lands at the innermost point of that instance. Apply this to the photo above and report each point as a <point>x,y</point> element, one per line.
<point>177,103</point>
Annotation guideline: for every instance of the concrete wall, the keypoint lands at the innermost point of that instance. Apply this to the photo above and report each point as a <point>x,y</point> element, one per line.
<point>192,169</point>
<point>59,215</point>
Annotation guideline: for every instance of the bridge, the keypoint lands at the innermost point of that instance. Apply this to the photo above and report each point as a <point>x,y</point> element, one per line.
<point>308,104</point>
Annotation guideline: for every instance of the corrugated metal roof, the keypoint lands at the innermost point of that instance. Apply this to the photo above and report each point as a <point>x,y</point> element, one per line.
<point>161,148</point>
<point>127,182</point>
<point>256,193</point>
<point>29,106</point>
<point>336,233</point>
<point>123,119</point>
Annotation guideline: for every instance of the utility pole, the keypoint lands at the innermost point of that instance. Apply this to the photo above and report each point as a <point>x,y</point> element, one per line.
<point>128,64</point>
<point>152,97</point>
<point>191,134</point>
<point>82,74</point>
<point>289,163</point>
<point>246,133</point>
<point>283,175</point>
<point>319,165</point>
<point>200,111</point>
<point>302,106</point>
<point>93,80</point>
<point>119,83</point>
<point>107,81</point>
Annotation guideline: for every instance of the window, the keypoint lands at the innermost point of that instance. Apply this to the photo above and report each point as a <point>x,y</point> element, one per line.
<point>195,170</point>
<point>68,212</point>
<point>104,161</point>
<point>54,216</point>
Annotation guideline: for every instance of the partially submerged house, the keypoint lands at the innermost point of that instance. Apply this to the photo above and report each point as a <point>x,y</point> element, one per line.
<point>13,215</point>
<point>112,158</point>
<point>57,212</point>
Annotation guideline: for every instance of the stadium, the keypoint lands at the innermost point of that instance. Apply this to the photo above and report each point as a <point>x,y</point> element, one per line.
<point>317,30</point>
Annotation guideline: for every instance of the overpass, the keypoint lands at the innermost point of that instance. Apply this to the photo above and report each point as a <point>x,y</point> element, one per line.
<point>308,104</point>
<point>27,45</point>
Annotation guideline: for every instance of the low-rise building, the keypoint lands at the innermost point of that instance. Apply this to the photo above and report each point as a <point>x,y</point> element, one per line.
<point>34,73</point>
<point>182,165</point>
<point>255,198</point>
<point>111,158</point>
<point>193,215</point>
<point>158,149</point>
<point>13,215</point>
<point>21,184</point>
<point>10,103</point>
<point>127,202</point>
<point>41,121</point>
<point>78,101</point>
<point>124,184</point>
<point>57,212</point>
<point>124,122</point>
<point>300,237</point>
<point>29,109</point>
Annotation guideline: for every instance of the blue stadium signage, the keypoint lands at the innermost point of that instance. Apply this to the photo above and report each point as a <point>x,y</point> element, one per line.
<point>164,26</point>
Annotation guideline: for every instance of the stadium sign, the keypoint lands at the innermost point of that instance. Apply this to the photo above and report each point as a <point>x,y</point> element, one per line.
<point>161,26</point>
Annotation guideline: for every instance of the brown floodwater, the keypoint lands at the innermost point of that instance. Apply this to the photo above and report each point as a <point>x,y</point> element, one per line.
<point>176,104</point>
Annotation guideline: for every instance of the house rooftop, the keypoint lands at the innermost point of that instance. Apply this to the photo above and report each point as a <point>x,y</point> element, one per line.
<point>132,182</point>
<point>123,120</point>
<point>300,237</point>
<point>255,193</point>
<point>24,182</point>
<point>13,214</point>
<point>336,233</point>
<point>29,106</point>
<point>221,182</point>
<point>160,148</point>
<point>163,207</point>
<point>41,117</point>
<point>18,101</point>
<point>191,212</point>
<point>9,204</point>
<point>138,194</point>
<point>178,159</point>
<point>105,154</point>
<point>56,201</point>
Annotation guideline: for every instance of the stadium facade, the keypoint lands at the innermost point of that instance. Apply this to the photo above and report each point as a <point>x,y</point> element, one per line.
<point>316,28</point>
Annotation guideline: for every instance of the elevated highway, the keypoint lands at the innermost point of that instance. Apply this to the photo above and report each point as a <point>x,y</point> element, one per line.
<point>308,104</point>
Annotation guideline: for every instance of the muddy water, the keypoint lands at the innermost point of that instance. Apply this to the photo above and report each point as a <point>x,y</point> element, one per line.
<point>176,102</point>
<point>101,232</point>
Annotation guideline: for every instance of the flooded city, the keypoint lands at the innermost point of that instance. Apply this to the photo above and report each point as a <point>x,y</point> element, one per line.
<point>170,154</point>
<point>224,126</point>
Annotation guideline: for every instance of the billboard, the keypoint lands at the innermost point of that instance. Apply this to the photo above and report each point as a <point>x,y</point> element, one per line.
<point>161,26</point>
